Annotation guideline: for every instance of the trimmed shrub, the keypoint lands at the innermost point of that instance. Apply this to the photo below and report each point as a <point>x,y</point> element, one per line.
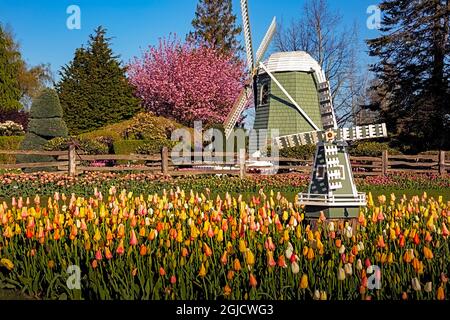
<point>46,105</point>
<point>112,133</point>
<point>87,146</point>
<point>300,152</point>
<point>9,143</point>
<point>46,123</point>
<point>49,128</point>
<point>33,142</point>
<point>146,126</point>
<point>153,147</point>
<point>371,149</point>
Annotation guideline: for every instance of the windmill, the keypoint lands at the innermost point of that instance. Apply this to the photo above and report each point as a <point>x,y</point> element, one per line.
<point>292,95</point>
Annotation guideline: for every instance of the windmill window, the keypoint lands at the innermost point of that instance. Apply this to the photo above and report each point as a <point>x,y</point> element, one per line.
<point>264,97</point>
<point>320,172</point>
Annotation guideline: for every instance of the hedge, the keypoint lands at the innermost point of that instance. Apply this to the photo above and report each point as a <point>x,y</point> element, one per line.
<point>9,143</point>
<point>128,146</point>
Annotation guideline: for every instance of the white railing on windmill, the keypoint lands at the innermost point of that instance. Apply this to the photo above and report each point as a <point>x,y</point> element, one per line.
<point>252,64</point>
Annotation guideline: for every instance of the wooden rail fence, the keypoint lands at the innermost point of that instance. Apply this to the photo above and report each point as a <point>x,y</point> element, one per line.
<point>72,162</point>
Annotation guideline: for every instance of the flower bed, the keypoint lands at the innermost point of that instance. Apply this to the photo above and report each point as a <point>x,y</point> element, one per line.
<point>178,245</point>
<point>15,184</point>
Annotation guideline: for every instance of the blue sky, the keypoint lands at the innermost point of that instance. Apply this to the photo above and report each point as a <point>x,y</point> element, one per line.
<point>40,25</point>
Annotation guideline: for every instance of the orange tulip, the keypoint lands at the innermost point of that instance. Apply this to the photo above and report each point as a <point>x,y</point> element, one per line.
<point>281,262</point>
<point>237,265</point>
<point>108,254</point>
<point>227,290</point>
<point>416,239</point>
<point>428,253</point>
<point>440,295</point>
<point>162,272</point>
<point>380,242</point>
<point>143,250</point>
<point>253,281</point>
<point>338,243</point>
<point>270,261</point>
<point>121,231</point>
<point>207,250</point>
<point>224,258</point>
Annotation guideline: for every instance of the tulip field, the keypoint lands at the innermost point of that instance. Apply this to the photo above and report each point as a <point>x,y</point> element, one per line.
<point>178,244</point>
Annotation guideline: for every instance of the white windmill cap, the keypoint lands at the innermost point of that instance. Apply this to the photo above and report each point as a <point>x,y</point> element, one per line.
<point>294,61</point>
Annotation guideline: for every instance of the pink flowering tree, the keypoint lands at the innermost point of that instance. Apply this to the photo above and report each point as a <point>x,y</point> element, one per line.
<point>187,83</point>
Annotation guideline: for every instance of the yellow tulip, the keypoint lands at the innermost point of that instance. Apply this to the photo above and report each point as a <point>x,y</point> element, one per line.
<point>305,251</point>
<point>202,272</point>
<point>310,254</point>
<point>249,258</point>
<point>220,235</point>
<point>7,264</point>
<point>97,235</point>
<point>242,246</point>
<point>180,236</point>
<point>304,282</point>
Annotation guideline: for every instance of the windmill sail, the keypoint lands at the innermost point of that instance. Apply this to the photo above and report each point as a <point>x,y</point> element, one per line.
<point>247,35</point>
<point>248,91</point>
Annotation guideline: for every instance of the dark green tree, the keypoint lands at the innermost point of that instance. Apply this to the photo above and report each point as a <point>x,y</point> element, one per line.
<point>45,124</point>
<point>413,72</point>
<point>10,64</point>
<point>93,89</point>
<point>215,24</point>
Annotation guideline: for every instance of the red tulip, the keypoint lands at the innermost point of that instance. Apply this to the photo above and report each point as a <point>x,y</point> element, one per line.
<point>120,249</point>
<point>98,255</point>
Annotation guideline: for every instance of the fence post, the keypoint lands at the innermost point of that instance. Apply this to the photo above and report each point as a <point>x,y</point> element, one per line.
<point>442,169</point>
<point>385,162</point>
<point>72,161</point>
<point>165,161</point>
<point>242,167</point>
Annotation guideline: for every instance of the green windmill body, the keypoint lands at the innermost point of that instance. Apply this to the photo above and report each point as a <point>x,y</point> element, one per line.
<point>273,109</point>
<point>292,95</point>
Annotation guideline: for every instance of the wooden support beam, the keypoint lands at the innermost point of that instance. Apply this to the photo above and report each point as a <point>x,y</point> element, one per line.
<point>385,162</point>
<point>242,165</point>
<point>72,161</point>
<point>165,161</point>
<point>442,167</point>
